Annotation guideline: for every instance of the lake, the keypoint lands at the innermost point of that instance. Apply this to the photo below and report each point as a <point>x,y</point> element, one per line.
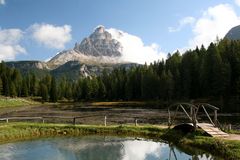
<point>95,148</point>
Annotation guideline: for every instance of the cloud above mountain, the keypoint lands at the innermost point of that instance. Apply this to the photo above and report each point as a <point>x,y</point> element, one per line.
<point>10,43</point>
<point>51,36</point>
<point>134,49</point>
<point>237,2</point>
<point>2,2</point>
<point>215,22</point>
<point>182,23</point>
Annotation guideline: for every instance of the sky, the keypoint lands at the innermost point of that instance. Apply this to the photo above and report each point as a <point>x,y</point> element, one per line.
<point>39,29</point>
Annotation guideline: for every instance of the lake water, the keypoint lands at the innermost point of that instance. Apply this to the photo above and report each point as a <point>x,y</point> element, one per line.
<point>94,148</point>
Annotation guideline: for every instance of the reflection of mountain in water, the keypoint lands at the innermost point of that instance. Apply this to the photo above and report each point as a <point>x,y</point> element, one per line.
<point>92,148</point>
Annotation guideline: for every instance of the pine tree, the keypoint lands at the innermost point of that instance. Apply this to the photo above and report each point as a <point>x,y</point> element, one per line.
<point>33,85</point>
<point>5,84</point>
<point>24,90</point>
<point>101,89</point>
<point>53,91</point>
<point>1,86</point>
<point>95,87</point>
<point>213,70</point>
<point>44,92</point>
<point>13,92</point>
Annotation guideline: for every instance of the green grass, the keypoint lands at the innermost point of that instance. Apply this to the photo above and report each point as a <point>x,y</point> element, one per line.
<point>13,102</point>
<point>226,149</point>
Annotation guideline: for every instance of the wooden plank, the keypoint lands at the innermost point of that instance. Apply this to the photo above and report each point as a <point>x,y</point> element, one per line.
<point>211,130</point>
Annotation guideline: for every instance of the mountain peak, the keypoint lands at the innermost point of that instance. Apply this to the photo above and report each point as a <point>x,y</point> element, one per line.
<point>99,29</point>
<point>99,47</point>
<point>99,43</point>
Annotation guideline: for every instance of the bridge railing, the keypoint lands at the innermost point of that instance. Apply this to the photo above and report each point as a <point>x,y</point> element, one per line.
<point>191,111</point>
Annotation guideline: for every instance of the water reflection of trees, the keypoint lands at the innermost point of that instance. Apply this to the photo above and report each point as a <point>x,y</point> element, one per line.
<point>194,153</point>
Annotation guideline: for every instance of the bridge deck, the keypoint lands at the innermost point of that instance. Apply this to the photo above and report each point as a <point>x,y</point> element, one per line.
<point>212,130</point>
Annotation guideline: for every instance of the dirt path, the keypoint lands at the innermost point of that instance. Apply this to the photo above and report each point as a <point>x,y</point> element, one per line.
<point>233,137</point>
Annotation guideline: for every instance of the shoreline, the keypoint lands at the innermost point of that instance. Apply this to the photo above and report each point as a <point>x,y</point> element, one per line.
<point>20,131</point>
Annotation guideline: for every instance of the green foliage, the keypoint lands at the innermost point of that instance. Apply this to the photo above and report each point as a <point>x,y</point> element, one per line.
<point>1,86</point>
<point>53,91</point>
<point>13,91</point>
<point>44,92</point>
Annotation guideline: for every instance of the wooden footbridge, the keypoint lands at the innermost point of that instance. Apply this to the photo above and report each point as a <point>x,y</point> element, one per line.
<point>192,112</point>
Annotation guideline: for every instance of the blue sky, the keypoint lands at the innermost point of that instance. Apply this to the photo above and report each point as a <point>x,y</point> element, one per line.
<point>170,25</point>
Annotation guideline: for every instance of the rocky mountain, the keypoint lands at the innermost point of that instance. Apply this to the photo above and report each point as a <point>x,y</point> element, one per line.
<point>99,43</point>
<point>98,48</point>
<point>37,67</point>
<point>234,33</point>
<point>98,52</point>
<point>71,69</point>
<point>74,69</point>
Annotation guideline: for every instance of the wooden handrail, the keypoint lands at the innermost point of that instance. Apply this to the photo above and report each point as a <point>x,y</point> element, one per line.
<point>194,109</point>
<point>207,105</point>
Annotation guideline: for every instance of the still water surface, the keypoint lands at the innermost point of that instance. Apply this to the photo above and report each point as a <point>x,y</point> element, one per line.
<point>94,148</point>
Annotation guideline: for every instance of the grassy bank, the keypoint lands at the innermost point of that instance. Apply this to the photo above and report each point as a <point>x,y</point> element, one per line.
<point>14,102</point>
<point>226,149</point>
<point>18,131</point>
<point>22,131</point>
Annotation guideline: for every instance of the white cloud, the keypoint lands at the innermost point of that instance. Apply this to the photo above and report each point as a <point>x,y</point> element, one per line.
<point>237,2</point>
<point>140,149</point>
<point>215,22</point>
<point>182,23</point>
<point>51,36</point>
<point>134,50</point>
<point>9,43</point>
<point>2,2</point>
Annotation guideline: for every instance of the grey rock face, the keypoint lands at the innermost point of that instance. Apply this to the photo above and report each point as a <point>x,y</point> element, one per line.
<point>234,33</point>
<point>99,43</point>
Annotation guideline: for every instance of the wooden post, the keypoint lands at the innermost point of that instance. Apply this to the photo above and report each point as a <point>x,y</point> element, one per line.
<point>7,120</point>
<point>169,118</point>
<point>191,111</point>
<point>215,117</point>
<point>194,119</point>
<point>136,122</point>
<point>105,121</point>
<point>229,127</point>
<point>74,120</point>
<point>43,121</point>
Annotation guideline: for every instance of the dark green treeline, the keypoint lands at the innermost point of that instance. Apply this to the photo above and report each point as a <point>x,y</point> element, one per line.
<point>211,74</point>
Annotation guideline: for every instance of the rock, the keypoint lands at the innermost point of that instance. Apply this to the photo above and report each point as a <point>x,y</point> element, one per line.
<point>98,48</point>
<point>234,33</point>
<point>100,43</point>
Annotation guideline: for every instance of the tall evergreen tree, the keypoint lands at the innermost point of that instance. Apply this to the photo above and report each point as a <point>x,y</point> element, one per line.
<point>53,91</point>
<point>13,92</point>
<point>44,92</point>
<point>1,86</point>
<point>24,90</point>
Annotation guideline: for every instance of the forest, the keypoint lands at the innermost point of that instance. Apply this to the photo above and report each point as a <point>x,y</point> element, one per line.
<point>204,74</point>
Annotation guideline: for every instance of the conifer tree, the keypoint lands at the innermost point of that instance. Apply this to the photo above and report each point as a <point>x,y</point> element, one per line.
<point>53,90</point>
